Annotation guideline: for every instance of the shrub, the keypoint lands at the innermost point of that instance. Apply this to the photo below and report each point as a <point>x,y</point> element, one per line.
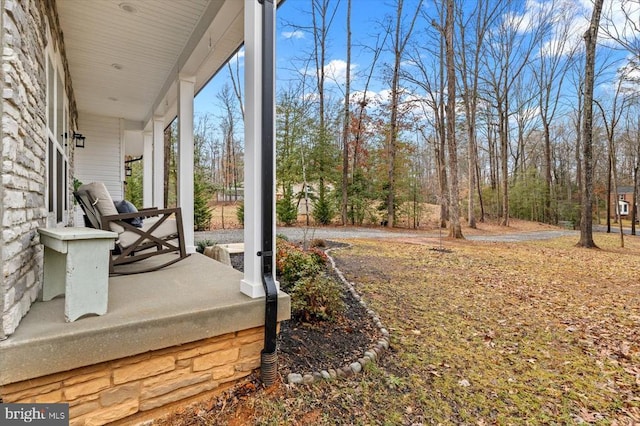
<point>294,264</point>
<point>282,237</point>
<point>240,213</point>
<point>201,195</point>
<point>318,242</point>
<point>286,209</point>
<point>323,211</point>
<point>202,244</point>
<point>317,298</point>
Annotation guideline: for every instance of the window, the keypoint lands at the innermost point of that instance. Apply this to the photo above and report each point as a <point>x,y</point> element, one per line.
<point>57,146</point>
<point>622,197</point>
<point>623,207</point>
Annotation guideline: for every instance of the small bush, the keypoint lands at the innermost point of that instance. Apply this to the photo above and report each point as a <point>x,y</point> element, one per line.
<point>317,298</point>
<point>323,211</point>
<point>318,242</point>
<point>293,263</point>
<point>240,213</point>
<point>282,237</point>
<point>202,244</point>
<point>286,210</point>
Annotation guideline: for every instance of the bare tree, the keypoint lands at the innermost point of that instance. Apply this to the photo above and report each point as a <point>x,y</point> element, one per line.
<point>400,38</point>
<point>509,51</point>
<point>322,19</point>
<point>610,123</point>
<point>586,219</point>
<point>455,230</point>
<point>235,82</point>
<point>484,14</point>
<point>636,168</point>
<point>347,120</point>
<point>431,78</point>
<point>553,63</point>
<point>230,157</point>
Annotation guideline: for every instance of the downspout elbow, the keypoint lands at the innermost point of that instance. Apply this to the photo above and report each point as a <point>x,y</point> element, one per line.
<point>269,355</point>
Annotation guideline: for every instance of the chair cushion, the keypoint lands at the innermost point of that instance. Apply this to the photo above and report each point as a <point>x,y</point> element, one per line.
<point>125,206</point>
<point>102,201</point>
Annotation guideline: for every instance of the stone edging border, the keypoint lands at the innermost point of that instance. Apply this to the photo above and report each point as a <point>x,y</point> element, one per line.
<point>370,356</point>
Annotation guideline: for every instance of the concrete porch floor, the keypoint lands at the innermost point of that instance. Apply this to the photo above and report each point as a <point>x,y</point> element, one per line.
<point>193,299</point>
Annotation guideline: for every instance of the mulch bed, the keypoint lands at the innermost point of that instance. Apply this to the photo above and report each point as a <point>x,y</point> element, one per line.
<point>311,347</point>
<point>306,348</point>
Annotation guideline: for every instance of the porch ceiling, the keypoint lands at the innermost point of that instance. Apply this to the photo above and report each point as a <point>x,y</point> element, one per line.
<point>125,55</point>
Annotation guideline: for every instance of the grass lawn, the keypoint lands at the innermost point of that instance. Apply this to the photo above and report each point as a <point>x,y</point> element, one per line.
<point>491,333</point>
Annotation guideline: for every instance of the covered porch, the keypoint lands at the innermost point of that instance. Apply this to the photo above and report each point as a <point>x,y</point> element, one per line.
<point>168,336</point>
<point>119,73</point>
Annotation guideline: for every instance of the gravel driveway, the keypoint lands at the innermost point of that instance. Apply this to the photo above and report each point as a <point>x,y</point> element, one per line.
<point>225,236</point>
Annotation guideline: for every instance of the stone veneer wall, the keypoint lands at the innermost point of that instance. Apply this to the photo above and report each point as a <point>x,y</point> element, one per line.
<point>23,158</point>
<point>23,168</point>
<point>145,386</point>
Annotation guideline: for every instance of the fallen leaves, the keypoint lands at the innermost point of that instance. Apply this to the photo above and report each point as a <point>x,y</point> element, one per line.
<point>543,325</point>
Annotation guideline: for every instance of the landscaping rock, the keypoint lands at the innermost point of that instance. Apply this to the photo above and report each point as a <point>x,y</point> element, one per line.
<point>294,378</point>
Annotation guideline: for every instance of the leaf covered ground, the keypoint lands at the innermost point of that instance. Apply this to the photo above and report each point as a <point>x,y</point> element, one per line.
<point>536,332</point>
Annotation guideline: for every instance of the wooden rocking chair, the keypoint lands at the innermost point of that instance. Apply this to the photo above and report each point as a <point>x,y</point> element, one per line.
<point>160,234</point>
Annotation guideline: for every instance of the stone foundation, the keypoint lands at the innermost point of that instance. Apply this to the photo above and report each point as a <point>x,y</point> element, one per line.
<point>145,386</point>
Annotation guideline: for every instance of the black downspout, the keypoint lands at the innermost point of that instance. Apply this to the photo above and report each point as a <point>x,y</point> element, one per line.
<point>269,356</point>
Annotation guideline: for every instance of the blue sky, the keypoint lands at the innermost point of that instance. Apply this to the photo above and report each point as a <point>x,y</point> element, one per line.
<point>294,40</point>
<point>293,44</point>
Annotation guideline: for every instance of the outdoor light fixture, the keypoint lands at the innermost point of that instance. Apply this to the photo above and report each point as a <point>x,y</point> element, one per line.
<point>79,139</point>
<point>128,170</point>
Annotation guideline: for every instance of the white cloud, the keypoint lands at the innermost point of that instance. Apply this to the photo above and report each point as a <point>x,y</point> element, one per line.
<point>336,70</point>
<point>620,21</point>
<point>237,57</point>
<point>572,17</point>
<point>293,34</point>
<point>373,99</point>
<point>568,24</point>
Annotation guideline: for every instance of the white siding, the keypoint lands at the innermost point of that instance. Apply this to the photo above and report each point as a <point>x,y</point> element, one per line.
<point>101,160</point>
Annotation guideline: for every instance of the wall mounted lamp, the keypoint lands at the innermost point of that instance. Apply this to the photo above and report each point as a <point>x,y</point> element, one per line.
<point>79,140</point>
<point>128,170</point>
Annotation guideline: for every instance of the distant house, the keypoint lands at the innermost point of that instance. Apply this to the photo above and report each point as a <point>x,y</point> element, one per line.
<point>87,84</point>
<point>623,205</point>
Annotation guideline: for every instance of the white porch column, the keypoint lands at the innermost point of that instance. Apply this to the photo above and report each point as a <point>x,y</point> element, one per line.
<point>251,285</point>
<point>158,162</point>
<point>147,169</point>
<point>186,93</point>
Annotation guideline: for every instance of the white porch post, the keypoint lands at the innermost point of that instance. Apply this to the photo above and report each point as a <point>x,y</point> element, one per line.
<point>186,93</point>
<point>147,169</point>
<point>158,162</point>
<point>251,285</point>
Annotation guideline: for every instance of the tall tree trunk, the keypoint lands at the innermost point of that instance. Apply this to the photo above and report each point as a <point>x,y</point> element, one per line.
<point>609,197</point>
<point>586,217</point>
<point>455,230</point>
<point>393,125</point>
<point>634,206</point>
<point>504,161</point>
<point>493,162</point>
<point>442,141</point>
<point>399,43</point>
<point>547,173</point>
<point>167,163</point>
<point>345,129</point>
